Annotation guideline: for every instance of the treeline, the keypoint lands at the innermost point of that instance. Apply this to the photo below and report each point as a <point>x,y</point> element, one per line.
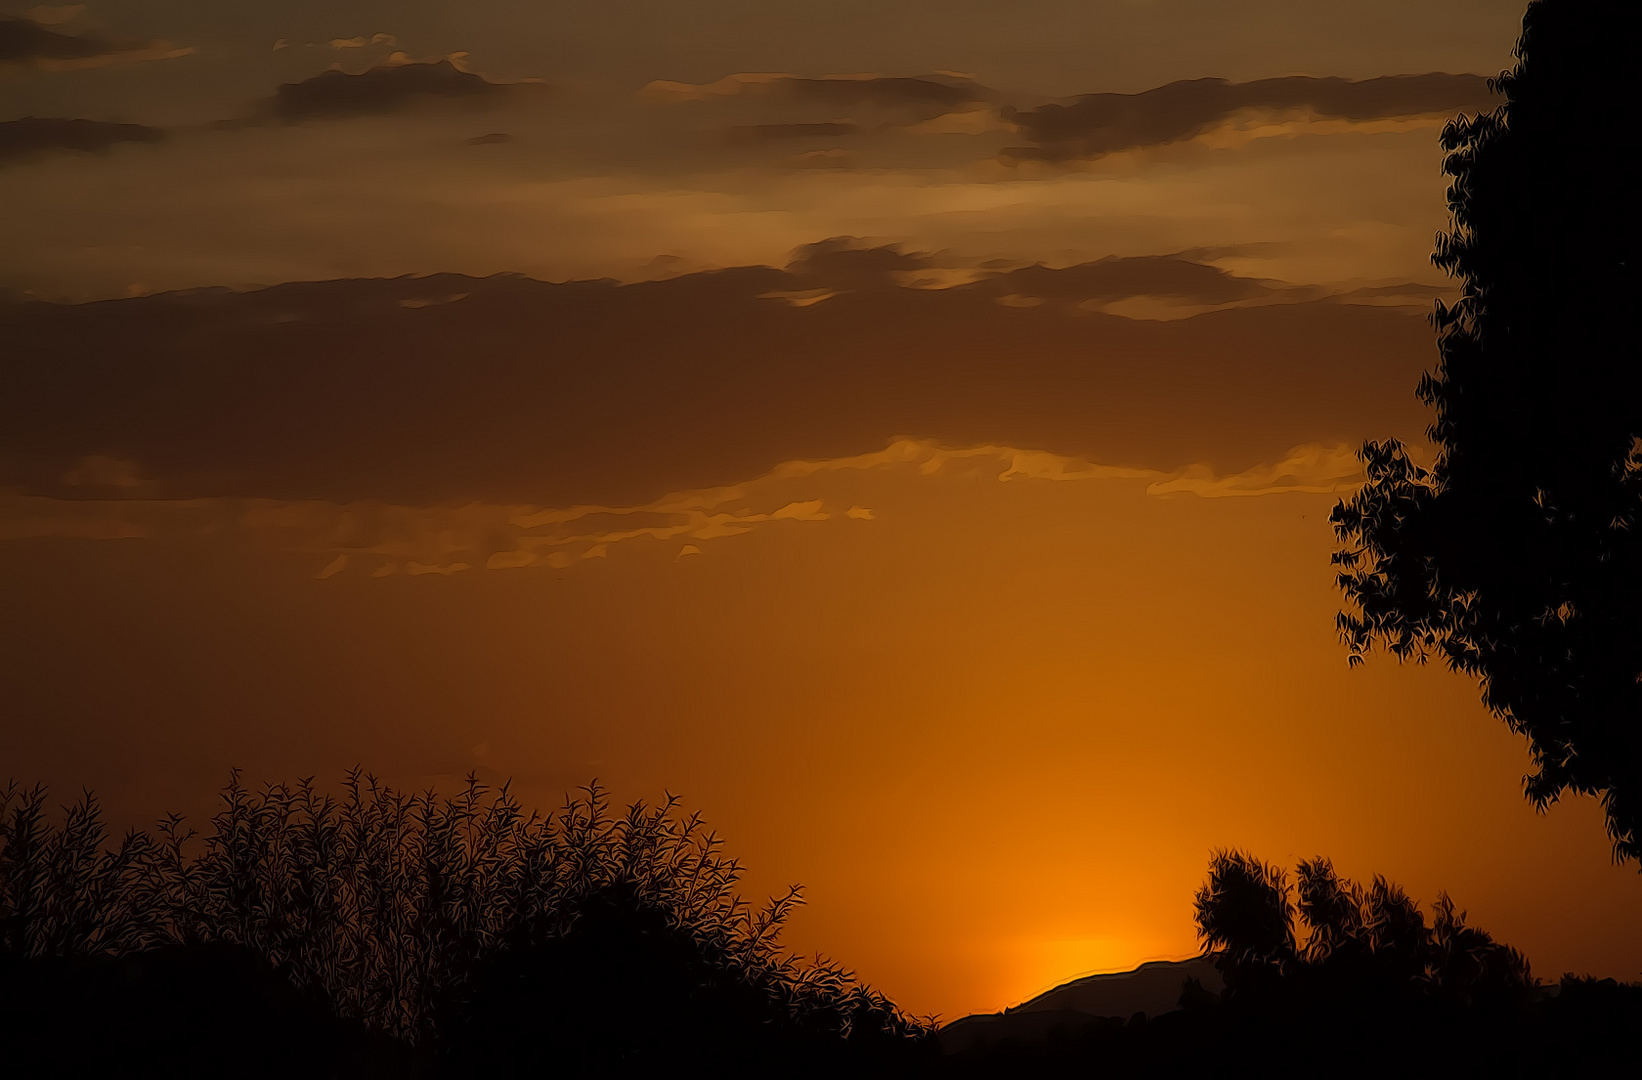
<point>1324,976</point>
<point>388,934</point>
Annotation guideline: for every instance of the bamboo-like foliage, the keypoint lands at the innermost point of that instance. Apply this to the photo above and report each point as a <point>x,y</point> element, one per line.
<point>62,892</point>
<point>1244,909</point>
<point>385,901</point>
<point>1374,935</point>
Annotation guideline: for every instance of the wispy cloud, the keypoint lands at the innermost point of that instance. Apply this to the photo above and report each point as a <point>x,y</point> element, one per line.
<point>32,42</point>
<point>1094,125</point>
<point>380,538</point>
<point>35,135</point>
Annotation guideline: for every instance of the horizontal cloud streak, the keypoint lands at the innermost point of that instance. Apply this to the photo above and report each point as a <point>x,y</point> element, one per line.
<point>33,134</point>
<point>25,42</point>
<point>511,390</point>
<point>1094,125</point>
<point>929,95</point>
<point>384,538</point>
<point>386,89</point>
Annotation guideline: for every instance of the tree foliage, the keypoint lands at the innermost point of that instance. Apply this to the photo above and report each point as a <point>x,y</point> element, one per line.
<point>1348,940</point>
<point>1517,556</point>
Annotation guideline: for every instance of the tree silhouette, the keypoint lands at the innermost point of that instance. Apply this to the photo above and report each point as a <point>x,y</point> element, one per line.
<point>1244,915</point>
<point>1517,557</point>
<point>1357,941</point>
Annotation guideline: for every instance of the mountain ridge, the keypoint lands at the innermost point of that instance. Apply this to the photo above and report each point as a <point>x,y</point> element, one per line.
<point>1153,988</point>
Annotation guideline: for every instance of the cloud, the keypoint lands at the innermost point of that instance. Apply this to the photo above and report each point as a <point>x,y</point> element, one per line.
<point>98,471</point>
<point>1094,125</point>
<point>935,94</point>
<point>1316,470</point>
<point>1171,276</point>
<point>845,262</point>
<point>511,391</point>
<point>34,135</point>
<point>341,44</point>
<point>379,539</point>
<point>30,42</point>
<point>55,14</point>
<point>767,132</point>
<point>362,42</point>
<point>846,104</point>
<point>396,87</point>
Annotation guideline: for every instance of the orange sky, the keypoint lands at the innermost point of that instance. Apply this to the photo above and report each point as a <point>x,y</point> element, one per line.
<point>982,598</point>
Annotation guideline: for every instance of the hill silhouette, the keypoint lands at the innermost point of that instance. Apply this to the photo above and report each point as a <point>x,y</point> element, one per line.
<point>1151,989</point>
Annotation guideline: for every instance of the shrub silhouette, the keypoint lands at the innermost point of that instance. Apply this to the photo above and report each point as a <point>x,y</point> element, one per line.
<point>437,920</point>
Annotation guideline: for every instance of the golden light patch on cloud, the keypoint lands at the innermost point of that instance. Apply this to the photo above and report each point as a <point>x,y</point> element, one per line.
<point>362,41</point>
<point>156,50</point>
<point>457,60</point>
<point>665,90</point>
<point>1042,465</point>
<point>1160,308</point>
<point>800,297</point>
<point>938,277</point>
<point>1246,127</point>
<point>977,120</point>
<point>1308,469</point>
<point>415,568</point>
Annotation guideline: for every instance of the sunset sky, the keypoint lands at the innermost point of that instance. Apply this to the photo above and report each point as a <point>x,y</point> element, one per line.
<point>905,430</point>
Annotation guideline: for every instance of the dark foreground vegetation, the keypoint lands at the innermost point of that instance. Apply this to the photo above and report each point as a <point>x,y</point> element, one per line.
<point>407,935</point>
<point>1331,978</point>
<point>382,934</point>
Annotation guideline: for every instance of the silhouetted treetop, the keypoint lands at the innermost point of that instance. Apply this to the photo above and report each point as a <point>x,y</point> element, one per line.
<point>1358,942</point>
<point>1517,557</point>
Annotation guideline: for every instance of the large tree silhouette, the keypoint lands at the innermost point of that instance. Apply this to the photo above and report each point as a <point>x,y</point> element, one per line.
<point>1517,557</point>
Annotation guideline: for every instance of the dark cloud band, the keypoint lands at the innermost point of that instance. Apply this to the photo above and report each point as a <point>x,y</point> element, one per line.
<point>513,390</point>
<point>25,42</point>
<point>33,135</point>
<point>387,89</point>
